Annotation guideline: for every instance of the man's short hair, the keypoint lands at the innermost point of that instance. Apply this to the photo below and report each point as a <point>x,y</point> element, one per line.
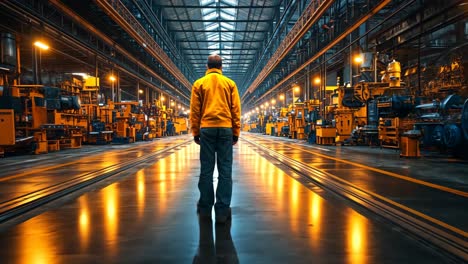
<point>214,61</point>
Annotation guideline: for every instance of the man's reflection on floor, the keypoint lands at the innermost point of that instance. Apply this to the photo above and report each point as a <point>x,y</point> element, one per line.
<point>219,250</point>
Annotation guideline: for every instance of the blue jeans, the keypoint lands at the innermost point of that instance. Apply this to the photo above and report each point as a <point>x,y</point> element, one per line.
<point>215,144</point>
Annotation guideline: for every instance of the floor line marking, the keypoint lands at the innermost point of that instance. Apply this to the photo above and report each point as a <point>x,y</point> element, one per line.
<point>388,173</point>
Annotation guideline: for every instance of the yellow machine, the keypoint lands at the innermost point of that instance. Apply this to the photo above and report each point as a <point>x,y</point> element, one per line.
<point>152,124</point>
<point>297,121</point>
<point>325,135</point>
<point>313,112</point>
<point>181,125</point>
<point>140,123</point>
<point>253,127</point>
<point>53,113</point>
<point>99,117</point>
<point>245,127</point>
<point>160,119</point>
<point>354,109</point>
<point>7,130</point>
<point>260,127</point>
<point>124,122</point>
<point>66,121</point>
<point>7,127</point>
<point>270,128</point>
<point>350,108</point>
<point>280,122</point>
<point>23,114</point>
<point>391,129</point>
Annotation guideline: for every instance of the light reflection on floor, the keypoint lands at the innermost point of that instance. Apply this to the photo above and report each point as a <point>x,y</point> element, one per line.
<point>149,217</point>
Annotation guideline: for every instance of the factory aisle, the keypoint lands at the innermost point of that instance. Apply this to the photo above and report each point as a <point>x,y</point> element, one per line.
<point>149,217</point>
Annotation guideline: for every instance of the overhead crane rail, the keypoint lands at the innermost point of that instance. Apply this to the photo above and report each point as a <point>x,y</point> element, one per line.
<point>124,18</point>
<point>311,14</point>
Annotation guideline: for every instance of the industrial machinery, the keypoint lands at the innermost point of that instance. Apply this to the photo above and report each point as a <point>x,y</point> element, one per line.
<point>370,113</point>
<point>99,116</point>
<point>270,126</point>
<point>152,127</point>
<point>393,119</point>
<point>443,118</point>
<point>296,120</point>
<point>441,122</point>
<point>125,120</point>
<point>66,123</point>
<point>354,113</point>
<point>22,108</point>
<point>181,124</point>
<point>312,115</point>
<point>281,124</point>
<point>260,125</point>
<point>69,111</point>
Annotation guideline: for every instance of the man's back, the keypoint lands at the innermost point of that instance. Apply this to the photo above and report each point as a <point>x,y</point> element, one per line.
<point>216,99</point>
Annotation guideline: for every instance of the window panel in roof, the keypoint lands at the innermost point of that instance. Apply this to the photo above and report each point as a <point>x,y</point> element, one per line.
<point>206,2</point>
<point>206,11</point>
<point>227,16</point>
<point>230,2</point>
<point>210,16</point>
<point>227,10</point>
<point>214,46</point>
<point>211,26</point>
<point>227,26</point>
<point>212,37</point>
<point>227,36</point>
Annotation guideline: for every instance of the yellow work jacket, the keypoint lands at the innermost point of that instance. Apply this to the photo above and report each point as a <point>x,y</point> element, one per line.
<point>215,102</point>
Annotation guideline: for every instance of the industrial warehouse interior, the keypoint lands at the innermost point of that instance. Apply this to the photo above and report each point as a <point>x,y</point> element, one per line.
<point>353,145</point>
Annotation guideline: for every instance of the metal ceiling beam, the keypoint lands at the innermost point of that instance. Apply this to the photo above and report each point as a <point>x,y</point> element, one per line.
<point>220,41</point>
<point>216,31</point>
<point>122,16</point>
<point>223,49</point>
<point>231,61</point>
<point>222,6</point>
<point>242,56</point>
<point>221,20</point>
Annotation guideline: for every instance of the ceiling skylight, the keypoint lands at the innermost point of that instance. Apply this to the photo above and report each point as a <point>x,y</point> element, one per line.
<point>216,10</point>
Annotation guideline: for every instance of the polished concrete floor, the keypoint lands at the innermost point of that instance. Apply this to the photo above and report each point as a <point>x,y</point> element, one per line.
<point>149,216</point>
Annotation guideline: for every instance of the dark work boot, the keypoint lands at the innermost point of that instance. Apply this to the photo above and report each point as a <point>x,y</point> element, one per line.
<point>223,218</point>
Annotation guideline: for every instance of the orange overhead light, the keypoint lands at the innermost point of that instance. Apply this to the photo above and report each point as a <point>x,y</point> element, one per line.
<point>41,45</point>
<point>358,59</point>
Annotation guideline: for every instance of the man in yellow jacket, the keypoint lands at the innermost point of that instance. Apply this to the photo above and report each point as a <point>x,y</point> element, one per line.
<point>215,113</point>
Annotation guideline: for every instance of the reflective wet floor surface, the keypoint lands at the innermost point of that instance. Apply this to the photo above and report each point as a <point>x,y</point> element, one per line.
<point>149,216</point>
